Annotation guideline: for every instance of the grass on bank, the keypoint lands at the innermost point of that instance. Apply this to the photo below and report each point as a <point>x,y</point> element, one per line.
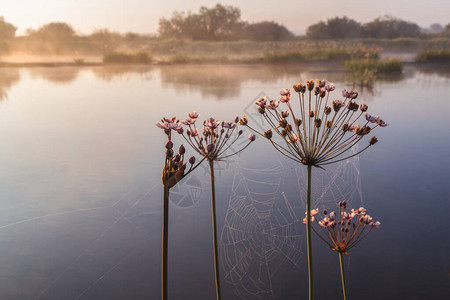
<point>365,72</point>
<point>434,56</point>
<point>127,58</point>
<point>390,65</point>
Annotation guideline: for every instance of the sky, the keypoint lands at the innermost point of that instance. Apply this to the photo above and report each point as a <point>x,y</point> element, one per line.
<point>142,15</point>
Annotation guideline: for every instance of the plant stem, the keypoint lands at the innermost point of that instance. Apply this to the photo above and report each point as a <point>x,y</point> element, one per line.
<point>344,287</point>
<point>165,243</point>
<point>308,234</point>
<point>213,208</point>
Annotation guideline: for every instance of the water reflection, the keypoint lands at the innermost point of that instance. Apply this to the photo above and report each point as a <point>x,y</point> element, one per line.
<point>8,77</point>
<point>111,73</point>
<point>81,196</point>
<point>442,70</point>
<point>57,75</point>
<point>219,82</point>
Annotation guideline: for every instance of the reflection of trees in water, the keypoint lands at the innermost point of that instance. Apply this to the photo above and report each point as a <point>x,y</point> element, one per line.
<point>370,92</point>
<point>58,75</point>
<point>66,75</point>
<point>111,73</point>
<point>225,81</point>
<point>219,81</point>
<point>442,70</point>
<point>8,77</point>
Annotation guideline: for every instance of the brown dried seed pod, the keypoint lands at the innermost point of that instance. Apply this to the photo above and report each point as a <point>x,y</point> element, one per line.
<point>268,134</point>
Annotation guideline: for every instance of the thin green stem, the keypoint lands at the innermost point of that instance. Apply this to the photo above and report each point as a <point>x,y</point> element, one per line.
<point>214,223</point>
<point>344,287</point>
<point>165,244</point>
<point>308,234</point>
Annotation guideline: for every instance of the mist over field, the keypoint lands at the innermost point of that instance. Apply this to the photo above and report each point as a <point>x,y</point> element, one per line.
<point>214,34</point>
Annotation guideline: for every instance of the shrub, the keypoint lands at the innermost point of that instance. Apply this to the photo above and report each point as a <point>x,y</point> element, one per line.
<point>434,56</point>
<point>127,58</point>
<point>390,65</point>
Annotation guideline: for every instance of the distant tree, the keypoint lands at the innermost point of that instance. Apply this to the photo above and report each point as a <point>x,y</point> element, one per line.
<point>217,23</point>
<point>54,31</point>
<point>344,28</point>
<point>55,38</point>
<point>172,27</point>
<point>335,28</point>
<point>220,22</point>
<point>318,31</point>
<point>436,28</point>
<point>446,31</point>
<point>267,31</point>
<point>7,33</point>
<point>390,27</point>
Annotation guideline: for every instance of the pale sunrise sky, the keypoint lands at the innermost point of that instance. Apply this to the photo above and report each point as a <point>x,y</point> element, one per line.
<point>143,15</point>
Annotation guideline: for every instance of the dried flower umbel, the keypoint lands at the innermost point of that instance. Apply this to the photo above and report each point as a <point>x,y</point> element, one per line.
<point>316,131</point>
<point>173,171</point>
<point>342,231</point>
<point>215,144</point>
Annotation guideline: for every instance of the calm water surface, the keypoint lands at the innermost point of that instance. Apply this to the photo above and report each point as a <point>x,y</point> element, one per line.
<point>81,199</point>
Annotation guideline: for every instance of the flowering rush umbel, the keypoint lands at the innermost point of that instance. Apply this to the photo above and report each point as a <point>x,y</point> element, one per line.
<point>342,231</point>
<point>316,130</point>
<point>175,166</point>
<point>215,139</point>
<point>173,171</point>
<point>214,143</point>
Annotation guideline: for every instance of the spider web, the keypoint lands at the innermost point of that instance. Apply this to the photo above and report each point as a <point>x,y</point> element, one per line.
<point>340,181</point>
<point>263,230</point>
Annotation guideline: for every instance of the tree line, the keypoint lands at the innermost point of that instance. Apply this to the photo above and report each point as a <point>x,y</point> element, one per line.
<point>386,27</point>
<point>218,23</point>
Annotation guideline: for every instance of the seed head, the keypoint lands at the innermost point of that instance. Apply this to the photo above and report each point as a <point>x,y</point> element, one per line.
<point>299,88</point>
<point>285,113</point>
<point>210,148</point>
<point>330,87</point>
<point>182,150</point>
<point>373,140</point>
<point>352,105</point>
<point>317,123</point>
<point>261,110</point>
<point>337,104</point>
<point>321,83</point>
<point>283,123</point>
<point>317,90</point>
<point>363,107</point>
<point>268,134</point>
<point>261,102</point>
<point>310,85</point>
<point>169,145</point>
<point>243,120</point>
